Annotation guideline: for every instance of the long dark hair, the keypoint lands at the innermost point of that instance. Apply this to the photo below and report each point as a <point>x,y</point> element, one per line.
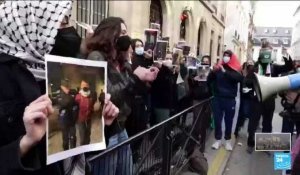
<point>105,37</point>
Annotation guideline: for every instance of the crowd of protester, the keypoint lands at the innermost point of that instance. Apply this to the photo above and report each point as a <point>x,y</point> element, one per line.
<point>140,92</point>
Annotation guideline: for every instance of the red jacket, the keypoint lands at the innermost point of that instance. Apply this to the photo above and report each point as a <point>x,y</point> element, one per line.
<point>85,107</point>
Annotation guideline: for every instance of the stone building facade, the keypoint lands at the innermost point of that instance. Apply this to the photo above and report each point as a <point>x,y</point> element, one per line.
<point>238,18</point>
<point>295,48</point>
<point>279,38</point>
<point>204,26</point>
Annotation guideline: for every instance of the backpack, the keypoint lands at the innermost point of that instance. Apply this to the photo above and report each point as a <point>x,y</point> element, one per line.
<point>198,162</point>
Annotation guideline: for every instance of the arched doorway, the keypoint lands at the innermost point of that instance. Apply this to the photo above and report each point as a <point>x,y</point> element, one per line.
<point>156,15</point>
<point>200,38</point>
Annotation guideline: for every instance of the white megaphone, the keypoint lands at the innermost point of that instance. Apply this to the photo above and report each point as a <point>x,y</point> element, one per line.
<point>267,86</point>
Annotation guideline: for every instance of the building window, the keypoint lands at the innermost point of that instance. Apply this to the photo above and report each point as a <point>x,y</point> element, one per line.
<point>156,13</point>
<point>274,31</point>
<point>275,41</point>
<point>215,8</point>
<point>200,35</point>
<point>211,42</point>
<point>287,31</point>
<point>99,11</point>
<point>222,18</point>
<point>285,41</point>
<point>263,39</point>
<point>275,54</point>
<point>90,12</point>
<point>184,18</point>
<point>266,30</point>
<point>182,30</point>
<point>219,46</point>
<point>83,14</point>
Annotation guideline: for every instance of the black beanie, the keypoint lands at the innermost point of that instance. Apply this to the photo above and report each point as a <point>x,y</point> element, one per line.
<point>123,43</point>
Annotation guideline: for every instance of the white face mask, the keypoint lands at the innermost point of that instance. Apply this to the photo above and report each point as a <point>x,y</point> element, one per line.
<point>168,63</point>
<point>85,94</point>
<point>139,51</point>
<point>226,59</point>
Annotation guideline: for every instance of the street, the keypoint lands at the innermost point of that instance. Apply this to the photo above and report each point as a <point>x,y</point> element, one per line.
<point>259,163</point>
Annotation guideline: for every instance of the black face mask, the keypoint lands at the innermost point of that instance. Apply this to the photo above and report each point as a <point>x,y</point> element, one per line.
<point>250,68</point>
<point>85,89</point>
<point>123,43</point>
<point>67,43</point>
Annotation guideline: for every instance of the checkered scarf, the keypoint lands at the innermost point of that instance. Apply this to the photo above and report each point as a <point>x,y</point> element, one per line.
<point>28,29</point>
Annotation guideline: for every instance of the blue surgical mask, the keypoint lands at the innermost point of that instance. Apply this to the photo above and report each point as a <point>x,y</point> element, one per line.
<point>139,50</point>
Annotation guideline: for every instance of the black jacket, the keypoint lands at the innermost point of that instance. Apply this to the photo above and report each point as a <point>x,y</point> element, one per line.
<point>199,90</point>
<point>276,69</point>
<point>163,90</point>
<point>224,84</point>
<point>68,109</point>
<point>18,89</point>
<point>248,82</point>
<point>140,60</point>
<point>122,86</point>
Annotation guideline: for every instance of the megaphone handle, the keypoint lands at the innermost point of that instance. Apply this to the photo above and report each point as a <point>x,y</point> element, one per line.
<point>295,81</point>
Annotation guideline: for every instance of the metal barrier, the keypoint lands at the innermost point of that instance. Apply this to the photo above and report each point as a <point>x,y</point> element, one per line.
<point>160,150</point>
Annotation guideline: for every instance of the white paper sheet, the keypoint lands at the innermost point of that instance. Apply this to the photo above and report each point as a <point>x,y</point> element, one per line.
<point>74,71</point>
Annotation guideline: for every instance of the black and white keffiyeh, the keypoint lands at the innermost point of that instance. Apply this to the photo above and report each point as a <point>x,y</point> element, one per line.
<point>28,29</point>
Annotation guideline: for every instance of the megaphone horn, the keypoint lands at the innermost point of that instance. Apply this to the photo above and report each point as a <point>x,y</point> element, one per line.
<point>267,86</point>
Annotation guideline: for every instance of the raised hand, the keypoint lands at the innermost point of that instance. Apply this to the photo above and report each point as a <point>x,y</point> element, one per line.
<point>147,75</point>
<point>110,111</point>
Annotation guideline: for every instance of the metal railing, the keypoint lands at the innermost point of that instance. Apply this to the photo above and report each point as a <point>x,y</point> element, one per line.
<point>163,149</point>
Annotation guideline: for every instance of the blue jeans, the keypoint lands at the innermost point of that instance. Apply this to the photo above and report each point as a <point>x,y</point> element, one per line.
<point>118,162</point>
<point>223,108</point>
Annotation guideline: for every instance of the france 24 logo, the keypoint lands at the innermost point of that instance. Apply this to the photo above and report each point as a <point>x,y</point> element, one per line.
<point>282,161</point>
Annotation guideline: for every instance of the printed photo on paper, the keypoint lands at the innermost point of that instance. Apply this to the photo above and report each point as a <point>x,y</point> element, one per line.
<point>202,73</point>
<point>77,89</point>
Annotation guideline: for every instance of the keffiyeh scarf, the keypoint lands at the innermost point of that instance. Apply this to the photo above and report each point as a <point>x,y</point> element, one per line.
<point>28,30</point>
